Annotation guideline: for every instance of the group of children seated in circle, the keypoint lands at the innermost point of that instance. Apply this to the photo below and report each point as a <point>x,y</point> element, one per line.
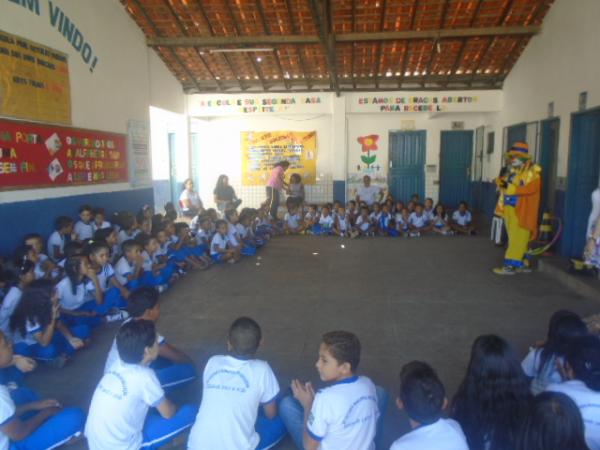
<point>388,218</point>
<point>96,272</point>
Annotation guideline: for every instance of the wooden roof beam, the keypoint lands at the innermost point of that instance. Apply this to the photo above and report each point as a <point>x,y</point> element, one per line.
<point>380,46</point>
<point>261,14</point>
<point>436,42</point>
<point>296,49</point>
<point>220,41</point>
<point>327,39</point>
<point>404,64</point>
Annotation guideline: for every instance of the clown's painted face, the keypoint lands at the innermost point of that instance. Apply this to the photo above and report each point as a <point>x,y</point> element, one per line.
<point>516,162</point>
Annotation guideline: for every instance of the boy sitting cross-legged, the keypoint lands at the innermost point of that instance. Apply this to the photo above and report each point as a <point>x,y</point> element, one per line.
<point>234,387</point>
<point>423,398</point>
<point>343,415</point>
<point>172,366</point>
<point>117,417</point>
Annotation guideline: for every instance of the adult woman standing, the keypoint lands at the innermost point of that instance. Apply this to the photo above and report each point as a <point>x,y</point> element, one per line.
<point>189,200</point>
<point>225,197</point>
<point>275,184</point>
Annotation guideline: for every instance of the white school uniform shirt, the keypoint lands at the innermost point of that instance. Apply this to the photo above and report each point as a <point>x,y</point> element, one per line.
<point>203,237</point>
<point>460,219</point>
<point>125,236</point>
<point>38,270</point>
<point>343,223</point>
<point>369,195</point>
<point>531,367</point>
<point>56,239</point>
<point>9,303</point>
<point>375,216</point>
<point>123,269</point>
<point>233,390</point>
<point>588,402</point>
<point>71,301</point>
<point>148,261</point>
<point>31,328</point>
<point>242,231</point>
<point>120,405</point>
<point>440,221</point>
<point>326,222</point>
<point>102,226</point>
<point>104,276</point>
<point>293,220</point>
<point>219,242</point>
<point>344,415</point>
<point>445,434</point>
<point>84,231</point>
<point>232,234</point>
<point>362,223</point>
<point>7,413</point>
<point>401,224</point>
<point>113,353</point>
<point>417,221</point>
<point>428,214</point>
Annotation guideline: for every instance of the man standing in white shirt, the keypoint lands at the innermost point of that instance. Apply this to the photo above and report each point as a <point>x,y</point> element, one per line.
<point>423,398</point>
<point>368,193</point>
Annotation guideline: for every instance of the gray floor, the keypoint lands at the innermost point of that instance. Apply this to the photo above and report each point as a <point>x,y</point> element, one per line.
<point>421,299</point>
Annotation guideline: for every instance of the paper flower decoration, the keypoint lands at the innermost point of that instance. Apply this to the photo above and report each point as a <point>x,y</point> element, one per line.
<point>368,143</point>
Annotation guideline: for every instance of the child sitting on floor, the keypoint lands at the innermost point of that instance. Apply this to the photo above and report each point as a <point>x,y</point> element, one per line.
<point>440,221</point>
<point>292,221</point>
<point>385,224</point>
<point>118,416</point>
<point>312,217</point>
<point>428,210</point>
<point>58,239</point>
<point>325,224</point>
<point>341,226</point>
<point>423,398</point>
<point>542,364</point>
<point>172,366</point>
<point>83,228</point>
<point>229,416</point>
<point>99,223</point>
<point>113,293</point>
<point>37,330</point>
<point>157,274</point>
<point>417,222</point>
<point>221,249</point>
<point>375,214</point>
<point>401,220</point>
<point>232,218</point>
<point>28,423</point>
<point>129,270</point>
<point>44,267</point>
<point>110,236</point>
<point>128,227</point>
<point>462,220</point>
<point>13,296</point>
<point>341,416</point>
<point>363,222</point>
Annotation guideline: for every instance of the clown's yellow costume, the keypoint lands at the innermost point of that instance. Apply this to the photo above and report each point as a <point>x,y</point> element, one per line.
<point>519,205</point>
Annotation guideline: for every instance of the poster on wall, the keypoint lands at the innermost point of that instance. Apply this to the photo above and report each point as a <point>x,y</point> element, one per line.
<point>34,81</point>
<point>38,155</point>
<point>262,149</point>
<point>140,163</point>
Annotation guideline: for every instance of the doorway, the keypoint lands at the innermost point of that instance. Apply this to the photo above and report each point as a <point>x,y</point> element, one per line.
<point>407,164</point>
<point>547,161</point>
<point>456,158</point>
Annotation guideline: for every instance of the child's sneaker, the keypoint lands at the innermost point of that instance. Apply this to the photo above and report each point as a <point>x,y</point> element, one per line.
<point>116,317</point>
<point>505,270</point>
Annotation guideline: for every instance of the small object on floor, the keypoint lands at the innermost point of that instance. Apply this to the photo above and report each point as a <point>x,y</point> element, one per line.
<point>162,288</point>
<point>117,317</point>
<point>315,253</point>
<point>524,269</point>
<point>506,270</point>
<point>58,362</point>
<point>343,246</point>
<point>258,264</point>
<point>579,267</point>
<point>231,261</point>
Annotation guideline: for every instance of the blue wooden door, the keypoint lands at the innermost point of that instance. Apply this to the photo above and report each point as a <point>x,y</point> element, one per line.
<point>548,160</point>
<point>407,164</point>
<point>584,169</point>
<point>456,156</point>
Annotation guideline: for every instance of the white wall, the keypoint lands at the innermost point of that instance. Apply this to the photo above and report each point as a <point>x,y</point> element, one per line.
<point>128,78</point>
<point>556,66</point>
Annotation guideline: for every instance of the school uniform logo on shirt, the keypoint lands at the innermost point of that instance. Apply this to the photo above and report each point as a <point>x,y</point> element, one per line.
<point>110,390</point>
<point>355,415</point>
<point>211,383</point>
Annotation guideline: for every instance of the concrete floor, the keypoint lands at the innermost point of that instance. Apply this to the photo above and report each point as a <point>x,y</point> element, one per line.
<point>424,299</point>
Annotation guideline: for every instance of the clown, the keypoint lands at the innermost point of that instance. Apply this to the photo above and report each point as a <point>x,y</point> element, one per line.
<point>519,203</point>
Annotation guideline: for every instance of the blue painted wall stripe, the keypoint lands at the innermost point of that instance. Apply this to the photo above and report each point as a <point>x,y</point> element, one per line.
<point>37,216</point>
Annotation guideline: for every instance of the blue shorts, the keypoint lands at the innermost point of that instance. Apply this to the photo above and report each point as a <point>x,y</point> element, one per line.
<point>217,257</point>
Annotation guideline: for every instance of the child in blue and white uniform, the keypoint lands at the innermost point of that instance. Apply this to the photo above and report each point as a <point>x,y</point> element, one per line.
<point>44,267</point>
<point>128,227</point>
<point>156,273</point>
<point>113,293</point>
<point>325,224</point>
<point>221,249</point>
<point>440,221</point>
<point>173,367</point>
<point>363,222</point>
<point>375,214</point>
<point>204,233</point>
<point>343,415</point>
<point>462,221</point>
<point>582,371</point>
<point>385,224</point>
<point>541,363</point>
<point>58,239</point>
<point>235,240</point>
<point>83,228</point>
<point>129,269</point>
<point>342,226</point>
<point>119,415</point>
<point>292,221</point>
<point>99,223</point>
<point>29,423</point>
<point>13,296</point>
<point>401,219</point>
<point>37,330</point>
<point>428,209</point>
<point>417,222</point>
<point>311,218</point>
<point>239,408</point>
<point>423,398</point>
